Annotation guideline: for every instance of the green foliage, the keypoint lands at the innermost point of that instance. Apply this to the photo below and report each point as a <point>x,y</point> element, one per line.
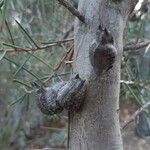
<point>136,64</point>
<point>27,24</point>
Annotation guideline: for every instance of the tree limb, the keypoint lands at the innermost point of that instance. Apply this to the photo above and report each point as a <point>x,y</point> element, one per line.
<point>56,43</point>
<point>73,10</point>
<point>132,118</point>
<point>136,46</point>
<point>41,47</point>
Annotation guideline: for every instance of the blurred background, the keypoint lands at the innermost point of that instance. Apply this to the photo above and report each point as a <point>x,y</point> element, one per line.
<point>26,24</point>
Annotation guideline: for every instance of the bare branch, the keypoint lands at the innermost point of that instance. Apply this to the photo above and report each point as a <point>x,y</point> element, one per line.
<point>41,47</point>
<point>59,42</point>
<point>68,32</point>
<point>127,82</point>
<point>58,65</point>
<point>132,118</point>
<point>136,46</point>
<point>56,43</point>
<point>132,4</point>
<point>73,10</point>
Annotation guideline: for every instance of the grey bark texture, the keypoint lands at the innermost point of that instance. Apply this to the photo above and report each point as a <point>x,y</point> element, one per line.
<point>96,126</point>
<point>67,95</point>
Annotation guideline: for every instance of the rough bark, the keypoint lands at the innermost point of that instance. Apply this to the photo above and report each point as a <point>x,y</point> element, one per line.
<point>96,126</point>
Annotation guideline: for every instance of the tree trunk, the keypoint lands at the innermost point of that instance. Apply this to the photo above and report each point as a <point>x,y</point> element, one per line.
<point>96,126</point>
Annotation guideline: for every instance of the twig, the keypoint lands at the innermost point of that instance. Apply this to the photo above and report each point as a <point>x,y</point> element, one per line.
<point>54,148</point>
<point>59,42</point>
<point>48,78</point>
<point>136,46</point>
<point>70,56</point>
<point>73,10</point>
<point>51,128</point>
<point>127,82</point>
<point>68,32</point>
<point>56,43</point>
<point>132,118</point>
<point>41,47</point>
<point>57,66</point>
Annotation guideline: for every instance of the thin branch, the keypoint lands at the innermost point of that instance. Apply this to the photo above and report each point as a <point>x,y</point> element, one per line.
<point>46,45</point>
<point>68,32</point>
<point>51,128</point>
<point>136,46</point>
<point>127,82</point>
<point>73,10</point>
<point>59,64</point>
<point>41,47</point>
<point>140,83</point>
<point>59,42</point>
<point>132,118</point>
<point>48,78</point>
